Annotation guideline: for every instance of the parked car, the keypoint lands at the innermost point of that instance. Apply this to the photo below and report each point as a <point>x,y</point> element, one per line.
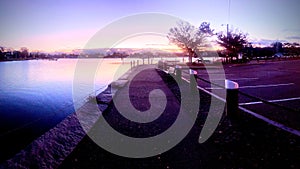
<point>278,55</point>
<point>200,61</point>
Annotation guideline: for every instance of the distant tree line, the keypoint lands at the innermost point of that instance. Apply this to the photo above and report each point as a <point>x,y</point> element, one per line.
<point>235,44</point>
<point>8,54</point>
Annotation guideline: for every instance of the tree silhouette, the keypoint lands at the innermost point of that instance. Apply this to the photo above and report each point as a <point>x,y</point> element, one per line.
<point>291,49</point>
<point>24,52</point>
<point>277,46</point>
<point>232,41</point>
<point>188,38</point>
<point>1,53</point>
<point>205,28</point>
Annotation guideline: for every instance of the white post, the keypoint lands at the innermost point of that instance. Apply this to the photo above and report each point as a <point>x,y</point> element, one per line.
<point>232,89</point>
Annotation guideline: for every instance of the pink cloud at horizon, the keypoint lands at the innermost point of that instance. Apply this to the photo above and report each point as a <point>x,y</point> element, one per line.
<point>61,41</point>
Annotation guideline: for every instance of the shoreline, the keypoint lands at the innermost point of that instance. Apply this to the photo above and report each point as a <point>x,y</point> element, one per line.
<point>52,147</point>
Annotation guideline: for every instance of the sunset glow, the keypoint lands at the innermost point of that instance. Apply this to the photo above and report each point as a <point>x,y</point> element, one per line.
<point>60,26</point>
<point>148,41</point>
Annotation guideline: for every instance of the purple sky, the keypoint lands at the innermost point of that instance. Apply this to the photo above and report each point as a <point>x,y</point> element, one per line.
<point>55,24</point>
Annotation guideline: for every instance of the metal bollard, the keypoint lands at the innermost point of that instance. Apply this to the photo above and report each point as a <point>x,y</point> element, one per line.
<point>158,65</point>
<point>164,65</point>
<point>193,81</point>
<point>178,73</point>
<point>232,89</point>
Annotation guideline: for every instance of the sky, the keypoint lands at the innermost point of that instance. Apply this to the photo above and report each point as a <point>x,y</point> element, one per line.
<point>54,25</point>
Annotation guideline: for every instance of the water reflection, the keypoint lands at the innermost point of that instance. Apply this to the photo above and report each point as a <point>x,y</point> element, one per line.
<point>35,95</point>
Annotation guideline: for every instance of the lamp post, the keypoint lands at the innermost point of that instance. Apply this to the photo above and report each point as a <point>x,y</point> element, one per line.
<point>229,3</point>
<point>227,30</point>
<point>227,27</point>
<point>227,38</point>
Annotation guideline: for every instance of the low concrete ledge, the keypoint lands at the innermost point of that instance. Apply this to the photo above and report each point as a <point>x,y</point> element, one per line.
<point>105,97</point>
<point>124,77</point>
<point>50,149</point>
<point>119,83</point>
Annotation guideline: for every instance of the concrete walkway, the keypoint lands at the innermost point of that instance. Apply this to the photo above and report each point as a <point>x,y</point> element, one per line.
<point>89,155</point>
<point>249,143</point>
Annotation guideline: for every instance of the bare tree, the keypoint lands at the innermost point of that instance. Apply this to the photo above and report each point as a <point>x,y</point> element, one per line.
<point>188,38</point>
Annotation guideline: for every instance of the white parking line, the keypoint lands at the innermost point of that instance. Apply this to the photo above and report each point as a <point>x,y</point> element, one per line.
<point>255,86</point>
<point>213,88</point>
<point>244,78</point>
<point>274,123</point>
<point>273,101</point>
<point>268,85</point>
<point>208,92</point>
<point>250,103</point>
<point>283,100</point>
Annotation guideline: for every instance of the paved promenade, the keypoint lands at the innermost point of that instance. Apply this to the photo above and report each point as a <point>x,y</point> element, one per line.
<point>249,143</point>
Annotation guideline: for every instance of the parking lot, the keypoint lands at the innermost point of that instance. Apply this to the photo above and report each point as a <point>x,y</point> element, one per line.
<point>271,89</point>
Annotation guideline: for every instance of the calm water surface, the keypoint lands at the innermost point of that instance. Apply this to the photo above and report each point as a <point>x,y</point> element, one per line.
<point>36,95</point>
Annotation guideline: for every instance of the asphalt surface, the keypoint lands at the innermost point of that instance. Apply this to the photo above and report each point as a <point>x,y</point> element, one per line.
<point>277,82</point>
<point>247,143</point>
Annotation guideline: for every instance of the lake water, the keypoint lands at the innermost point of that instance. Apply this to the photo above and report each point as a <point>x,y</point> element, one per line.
<point>36,95</point>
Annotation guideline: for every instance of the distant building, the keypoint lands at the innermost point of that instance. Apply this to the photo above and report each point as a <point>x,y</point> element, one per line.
<point>8,55</point>
<point>16,54</point>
